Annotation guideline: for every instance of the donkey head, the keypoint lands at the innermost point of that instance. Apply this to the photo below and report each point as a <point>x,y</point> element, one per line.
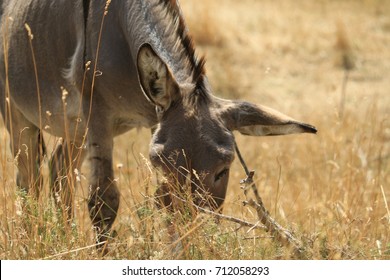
<point>193,143</point>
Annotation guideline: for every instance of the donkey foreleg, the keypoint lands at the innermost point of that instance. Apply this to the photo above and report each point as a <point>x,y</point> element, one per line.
<point>103,201</point>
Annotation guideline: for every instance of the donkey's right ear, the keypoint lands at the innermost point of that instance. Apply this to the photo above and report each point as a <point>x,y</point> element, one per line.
<point>257,120</point>
<point>155,77</point>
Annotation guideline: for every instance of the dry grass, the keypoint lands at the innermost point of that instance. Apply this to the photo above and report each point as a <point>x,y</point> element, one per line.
<point>332,190</point>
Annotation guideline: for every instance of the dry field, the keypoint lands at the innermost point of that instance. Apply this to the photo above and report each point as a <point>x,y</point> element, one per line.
<point>323,62</point>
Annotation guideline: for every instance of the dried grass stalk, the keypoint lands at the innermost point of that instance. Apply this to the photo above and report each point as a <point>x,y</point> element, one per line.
<point>345,61</point>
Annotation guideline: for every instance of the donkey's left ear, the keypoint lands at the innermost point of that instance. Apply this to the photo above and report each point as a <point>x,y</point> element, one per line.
<point>256,120</point>
<point>157,81</point>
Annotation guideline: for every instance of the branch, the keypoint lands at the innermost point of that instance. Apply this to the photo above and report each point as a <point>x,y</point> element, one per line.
<point>280,233</point>
<point>222,216</point>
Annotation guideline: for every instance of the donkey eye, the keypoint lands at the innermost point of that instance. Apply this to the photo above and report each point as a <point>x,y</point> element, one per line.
<point>221,174</point>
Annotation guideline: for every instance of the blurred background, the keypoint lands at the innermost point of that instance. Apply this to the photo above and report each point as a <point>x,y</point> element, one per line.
<point>324,62</point>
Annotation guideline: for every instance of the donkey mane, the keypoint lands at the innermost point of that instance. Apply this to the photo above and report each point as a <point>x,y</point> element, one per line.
<point>182,38</point>
<point>196,63</point>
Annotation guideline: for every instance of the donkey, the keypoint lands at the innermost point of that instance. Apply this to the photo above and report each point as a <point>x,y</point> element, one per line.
<point>88,71</point>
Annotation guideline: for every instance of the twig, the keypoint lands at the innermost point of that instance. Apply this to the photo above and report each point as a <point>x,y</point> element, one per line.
<point>230,218</point>
<point>74,250</point>
<point>280,233</point>
<point>222,216</point>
